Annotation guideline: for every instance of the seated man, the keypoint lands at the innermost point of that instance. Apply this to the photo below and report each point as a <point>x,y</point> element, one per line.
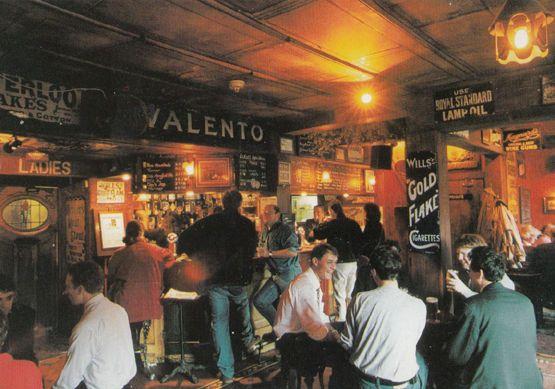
<point>495,342</point>
<point>100,351</point>
<point>21,321</point>
<point>383,327</point>
<point>16,374</point>
<point>463,246</point>
<point>301,311</point>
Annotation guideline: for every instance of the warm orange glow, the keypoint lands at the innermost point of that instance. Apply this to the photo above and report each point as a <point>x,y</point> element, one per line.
<point>126,177</point>
<point>346,195</point>
<point>326,177</point>
<point>366,98</point>
<point>372,181</point>
<point>303,193</point>
<point>189,194</point>
<point>521,38</point>
<point>189,168</point>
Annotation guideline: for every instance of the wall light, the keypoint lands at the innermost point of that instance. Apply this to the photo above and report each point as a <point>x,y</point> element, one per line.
<point>366,98</point>
<point>189,168</point>
<point>12,145</point>
<point>126,176</point>
<point>326,177</point>
<point>520,31</point>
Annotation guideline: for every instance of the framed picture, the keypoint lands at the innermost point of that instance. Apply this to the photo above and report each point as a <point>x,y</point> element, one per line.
<point>213,172</point>
<point>355,154</point>
<point>549,204</point>
<point>524,203</point>
<point>286,145</point>
<point>284,173</point>
<point>109,232</point>
<point>548,90</point>
<point>486,137</point>
<point>340,154</point>
<point>520,166</point>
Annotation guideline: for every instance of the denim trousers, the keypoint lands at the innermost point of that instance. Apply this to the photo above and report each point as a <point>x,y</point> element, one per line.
<point>421,378</point>
<point>269,293</point>
<point>220,297</point>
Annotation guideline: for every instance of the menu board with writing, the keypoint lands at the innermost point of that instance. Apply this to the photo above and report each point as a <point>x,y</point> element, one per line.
<point>157,173</point>
<point>307,148</point>
<point>252,172</point>
<point>307,177</point>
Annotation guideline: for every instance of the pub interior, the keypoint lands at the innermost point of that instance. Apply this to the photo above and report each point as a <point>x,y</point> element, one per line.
<point>442,113</point>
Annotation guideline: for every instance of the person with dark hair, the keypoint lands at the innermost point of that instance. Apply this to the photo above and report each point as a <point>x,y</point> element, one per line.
<point>542,261</point>
<point>495,342</point>
<point>463,246</point>
<point>345,235</point>
<point>16,374</point>
<point>21,319</point>
<point>224,244</point>
<point>135,275</point>
<point>319,216</point>
<point>383,327</point>
<point>280,246</point>
<point>100,351</point>
<point>373,233</point>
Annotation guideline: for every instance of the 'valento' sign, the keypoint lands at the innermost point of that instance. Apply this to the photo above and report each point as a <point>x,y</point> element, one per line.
<point>464,103</point>
<point>423,202</point>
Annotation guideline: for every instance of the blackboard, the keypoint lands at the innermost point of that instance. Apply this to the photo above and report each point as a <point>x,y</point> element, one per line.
<point>307,148</point>
<point>253,172</point>
<point>157,173</point>
<point>306,176</point>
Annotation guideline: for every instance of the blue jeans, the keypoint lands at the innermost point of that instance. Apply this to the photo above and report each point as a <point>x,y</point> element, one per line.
<point>421,378</point>
<point>265,298</point>
<point>219,297</point>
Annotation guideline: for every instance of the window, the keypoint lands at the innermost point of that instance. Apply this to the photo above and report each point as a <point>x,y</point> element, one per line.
<point>25,214</point>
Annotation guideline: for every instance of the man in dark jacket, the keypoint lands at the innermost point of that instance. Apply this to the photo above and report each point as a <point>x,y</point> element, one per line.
<point>495,342</point>
<point>345,235</point>
<point>225,244</point>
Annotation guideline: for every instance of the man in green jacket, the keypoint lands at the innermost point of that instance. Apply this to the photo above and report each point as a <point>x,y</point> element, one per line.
<point>495,342</point>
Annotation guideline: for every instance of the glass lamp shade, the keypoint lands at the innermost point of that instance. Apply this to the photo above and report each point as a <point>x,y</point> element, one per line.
<point>520,32</point>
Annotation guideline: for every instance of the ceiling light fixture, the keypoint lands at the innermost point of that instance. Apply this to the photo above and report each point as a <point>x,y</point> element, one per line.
<point>12,145</point>
<point>366,98</point>
<point>236,85</point>
<point>520,31</point>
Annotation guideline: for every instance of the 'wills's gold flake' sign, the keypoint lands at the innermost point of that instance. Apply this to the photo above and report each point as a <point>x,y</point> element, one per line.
<point>463,103</point>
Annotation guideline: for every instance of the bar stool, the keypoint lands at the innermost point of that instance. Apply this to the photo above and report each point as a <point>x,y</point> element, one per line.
<point>301,359</point>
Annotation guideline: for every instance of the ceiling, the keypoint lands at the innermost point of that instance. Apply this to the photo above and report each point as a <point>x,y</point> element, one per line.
<point>303,61</point>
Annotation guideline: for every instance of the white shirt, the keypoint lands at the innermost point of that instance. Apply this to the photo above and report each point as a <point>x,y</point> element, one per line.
<point>301,308</point>
<point>100,350</point>
<point>505,281</point>
<point>382,329</point>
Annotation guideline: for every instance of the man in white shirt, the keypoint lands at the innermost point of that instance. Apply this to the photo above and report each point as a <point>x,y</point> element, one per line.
<point>300,319</point>
<point>463,246</point>
<point>383,327</point>
<point>100,353</point>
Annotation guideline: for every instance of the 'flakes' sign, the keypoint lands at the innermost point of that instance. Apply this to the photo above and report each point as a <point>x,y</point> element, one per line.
<point>39,100</point>
<point>464,103</point>
<point>423,202</point>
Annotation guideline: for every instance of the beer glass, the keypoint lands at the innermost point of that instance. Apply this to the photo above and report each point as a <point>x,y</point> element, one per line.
<point>432,308</point>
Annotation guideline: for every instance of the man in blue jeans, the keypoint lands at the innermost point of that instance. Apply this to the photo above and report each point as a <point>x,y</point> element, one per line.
<point>224,245</point>
<point>280,246</point>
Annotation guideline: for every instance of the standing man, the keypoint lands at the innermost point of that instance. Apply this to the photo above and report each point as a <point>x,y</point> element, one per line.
<point>280,249</point>
<point>495,342</point>
<point>345,235</point>
<point>383,327</point>
<point>100,351</point>
<point>224,245</point>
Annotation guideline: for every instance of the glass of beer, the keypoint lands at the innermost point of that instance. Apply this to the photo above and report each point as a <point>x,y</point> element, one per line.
<point>432,308</point>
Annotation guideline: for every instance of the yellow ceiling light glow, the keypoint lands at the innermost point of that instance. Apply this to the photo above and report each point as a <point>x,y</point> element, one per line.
<point>520,32</point>
<point>366,98</point>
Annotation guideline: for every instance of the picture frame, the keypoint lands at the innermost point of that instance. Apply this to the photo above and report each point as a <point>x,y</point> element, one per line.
<point>520,165</point>
<point>284,173</point>
<point>549,204</point>
<point>340,154</point>
<point>109,231</point>
<point>213,172</point>
<point>525,206</point>
<point>286,145</point>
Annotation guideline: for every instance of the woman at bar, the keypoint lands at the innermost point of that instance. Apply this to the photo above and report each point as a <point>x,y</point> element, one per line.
<point>345,235</point>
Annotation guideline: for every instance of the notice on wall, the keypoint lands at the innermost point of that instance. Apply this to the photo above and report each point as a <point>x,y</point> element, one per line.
<point>157,173</point>
<point>423,202</point>
<point>307,176</point>
<point>75,230</point>
<point>39,100</point>
<point>464,103</point>
<point>307,148</point>
<point>520,140</point>
<point>252,172</point>
<point>110,192</point>
<point>112,229</point>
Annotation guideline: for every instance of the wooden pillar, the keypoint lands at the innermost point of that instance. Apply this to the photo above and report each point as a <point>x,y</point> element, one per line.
<point>428,262</point>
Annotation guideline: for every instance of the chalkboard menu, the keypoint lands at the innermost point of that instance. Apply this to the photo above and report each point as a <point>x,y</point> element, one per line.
<point>423,202</point>
<point>307,177</point>
<point>157,173</point>
<point>307,148</point>
<point>253,172</point>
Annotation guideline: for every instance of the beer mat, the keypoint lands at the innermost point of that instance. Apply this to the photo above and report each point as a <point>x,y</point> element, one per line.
<point>174,294</point>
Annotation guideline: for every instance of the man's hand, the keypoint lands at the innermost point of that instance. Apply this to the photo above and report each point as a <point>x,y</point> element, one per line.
<point>333,335</point>
<point>454,284</point>
<point>262,252</point>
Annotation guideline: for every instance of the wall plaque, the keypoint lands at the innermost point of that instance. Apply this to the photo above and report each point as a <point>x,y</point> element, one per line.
<point>423,202</point>
<point>518,140</point>
<point>464,103</point>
